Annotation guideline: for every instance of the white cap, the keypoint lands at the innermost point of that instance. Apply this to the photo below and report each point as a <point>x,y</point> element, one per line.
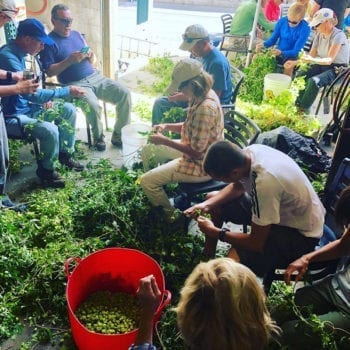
<point>192,35</point>
<point>321,16</point>
<point>9,8</point>
<point>184,70</point>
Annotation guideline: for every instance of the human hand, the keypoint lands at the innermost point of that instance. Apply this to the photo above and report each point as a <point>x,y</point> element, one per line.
<point>77,57</point>
<point>158,139</point>
<point>197,210</point>
<point>160,128</point>
<point>206,226</point>
<point>259,46</point>
<point>149,294</point>
<point>276,52</point>
<point>299,265</point>
<point>76,91</point>
<point>27,86</point>
<point>178,96</point>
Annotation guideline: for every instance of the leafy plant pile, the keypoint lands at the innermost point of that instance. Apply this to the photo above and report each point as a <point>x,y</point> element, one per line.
<point>162,68</point>
<point>99,208</point>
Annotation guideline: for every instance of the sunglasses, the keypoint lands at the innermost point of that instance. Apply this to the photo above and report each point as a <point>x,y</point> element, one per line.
<point>317,25</point>
<point>64,21</point>
<point>183,85</point>
<point>293,22</point>
<point>8,10</point>
<point>191,40</point>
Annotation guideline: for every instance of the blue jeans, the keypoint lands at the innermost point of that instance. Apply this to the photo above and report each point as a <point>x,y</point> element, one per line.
<point>52,139</point>
<point>162,105</point>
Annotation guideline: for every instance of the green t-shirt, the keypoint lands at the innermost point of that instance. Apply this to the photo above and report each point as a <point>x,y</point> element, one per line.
<point>242,21</point>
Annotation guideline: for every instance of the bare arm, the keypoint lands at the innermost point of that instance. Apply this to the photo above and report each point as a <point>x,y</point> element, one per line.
<point>254,241</point>
<point>315,8</point>
<point>227,194</point>
<point>333,250</point>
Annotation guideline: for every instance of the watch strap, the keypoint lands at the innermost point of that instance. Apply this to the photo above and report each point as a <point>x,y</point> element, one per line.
<point>222,234</point>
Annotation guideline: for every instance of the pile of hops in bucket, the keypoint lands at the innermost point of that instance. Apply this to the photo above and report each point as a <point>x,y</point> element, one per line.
<point>109,313</point>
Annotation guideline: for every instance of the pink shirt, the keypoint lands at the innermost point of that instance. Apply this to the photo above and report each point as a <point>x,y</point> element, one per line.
<point>272,11</point>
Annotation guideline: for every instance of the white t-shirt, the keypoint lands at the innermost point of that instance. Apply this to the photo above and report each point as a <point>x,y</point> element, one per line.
<point>281,193</point>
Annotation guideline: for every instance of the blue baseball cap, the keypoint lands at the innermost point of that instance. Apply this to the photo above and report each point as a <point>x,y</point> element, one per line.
<point>35,29</point>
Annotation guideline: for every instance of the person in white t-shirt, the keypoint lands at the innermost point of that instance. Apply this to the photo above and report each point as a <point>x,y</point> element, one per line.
<point>267,190</point>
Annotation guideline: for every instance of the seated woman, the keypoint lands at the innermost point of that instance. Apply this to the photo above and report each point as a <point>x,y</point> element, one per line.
<point>290,35</point>
<point>203,126</point>
<point>330,297</point>
<point>222,306</point>
<point>329,51</point>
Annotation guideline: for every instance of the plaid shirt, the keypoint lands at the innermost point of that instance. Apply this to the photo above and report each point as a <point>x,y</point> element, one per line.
<point>203,126</point>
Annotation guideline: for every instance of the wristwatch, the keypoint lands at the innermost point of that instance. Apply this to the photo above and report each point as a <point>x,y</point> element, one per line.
<point>8,76</point>
<point>222,234</point>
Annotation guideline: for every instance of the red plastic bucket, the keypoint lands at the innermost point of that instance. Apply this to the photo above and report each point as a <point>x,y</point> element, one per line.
<point>116,270</point>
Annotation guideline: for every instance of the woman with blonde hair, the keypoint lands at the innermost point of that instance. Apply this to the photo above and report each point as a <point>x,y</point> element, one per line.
<point>181,160</point>
<point>222,306</point>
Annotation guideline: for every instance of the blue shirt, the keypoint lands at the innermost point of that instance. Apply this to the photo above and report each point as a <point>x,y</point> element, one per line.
<point>289,39</point>
<point>64,47</point>
<point>216,64</point>
<point>12,58</point>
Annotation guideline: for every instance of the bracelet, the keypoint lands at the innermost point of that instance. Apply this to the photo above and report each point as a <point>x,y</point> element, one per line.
<point>8,76</point>
<point>222,234</point>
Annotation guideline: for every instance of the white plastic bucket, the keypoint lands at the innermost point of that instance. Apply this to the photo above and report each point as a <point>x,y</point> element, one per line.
<point>275,83</point>
<point>133,141</point>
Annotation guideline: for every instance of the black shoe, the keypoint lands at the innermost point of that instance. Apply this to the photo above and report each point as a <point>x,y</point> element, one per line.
<point>116,139</point>
<point>6,203</point>
<point>50,178</point>
<point>67,160</point>
<point>100,145</point>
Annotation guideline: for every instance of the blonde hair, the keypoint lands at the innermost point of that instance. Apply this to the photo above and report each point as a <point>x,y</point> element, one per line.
<point>222,306</point>
<point>297,10</point>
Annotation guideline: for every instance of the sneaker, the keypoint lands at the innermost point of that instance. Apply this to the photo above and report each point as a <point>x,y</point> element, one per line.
<point>67,160</point>
<point>100,145</point>
<point>50,178</point>
<point>6,203</point>
<point>116,139</point>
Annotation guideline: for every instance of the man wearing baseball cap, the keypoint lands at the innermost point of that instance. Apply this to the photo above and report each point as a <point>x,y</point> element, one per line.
<point>196,40</point>
<point>329,52</point>
<point>55,141</point>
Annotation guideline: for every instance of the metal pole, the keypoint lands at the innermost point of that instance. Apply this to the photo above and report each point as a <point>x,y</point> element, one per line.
<point>253,33</point>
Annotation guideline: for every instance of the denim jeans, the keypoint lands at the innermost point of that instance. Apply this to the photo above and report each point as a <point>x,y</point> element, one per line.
<point>52,139</point>
<point>98,87</point>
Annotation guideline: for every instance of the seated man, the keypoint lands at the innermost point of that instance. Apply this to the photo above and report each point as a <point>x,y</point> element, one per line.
<point>268,190</point>
<point>329,297</point>
<point>289,36</point>
<point>329,51</point>
<point>196,40</point>
<point>55,142</point>
<point>72,65</point>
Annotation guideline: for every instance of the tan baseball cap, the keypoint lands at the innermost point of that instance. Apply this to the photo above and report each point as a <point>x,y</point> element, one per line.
<point>192,35</point>
<point>9,8</point>
<point>184,70</point>
<point>321,16</point>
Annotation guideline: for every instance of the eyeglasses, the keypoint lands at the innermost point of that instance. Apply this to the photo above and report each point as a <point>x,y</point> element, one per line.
<point>191,40</point>
<point>183,85</point>
<point>64,21</point>
<point>293,22</point>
